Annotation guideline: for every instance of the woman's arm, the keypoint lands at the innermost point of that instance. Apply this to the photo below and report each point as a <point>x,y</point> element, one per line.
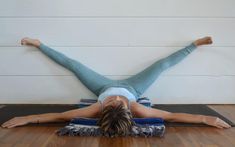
<point>142,111</point>
<point>90,111</point>
<point>196,118</point>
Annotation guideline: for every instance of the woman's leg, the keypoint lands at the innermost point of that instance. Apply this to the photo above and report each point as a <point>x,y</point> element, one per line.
<point>91,79</point>
<point>142,80</point>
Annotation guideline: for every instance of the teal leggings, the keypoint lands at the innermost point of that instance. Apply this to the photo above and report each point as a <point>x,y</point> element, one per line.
<point>97,83</point>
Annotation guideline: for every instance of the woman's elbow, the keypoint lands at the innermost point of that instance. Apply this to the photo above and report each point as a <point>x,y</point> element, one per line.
<point>169,117</point>
<point>65,117</point>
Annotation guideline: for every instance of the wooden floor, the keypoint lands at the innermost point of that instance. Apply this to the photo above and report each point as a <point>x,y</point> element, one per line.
<point>40,136</point>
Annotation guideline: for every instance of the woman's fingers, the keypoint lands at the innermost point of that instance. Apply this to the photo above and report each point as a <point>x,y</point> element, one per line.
<point>216,122</point>
<point>6,123</point>
<point>218,126</point>
<point>15,122</point>
<point>222,123</point>
<point>9,126</point>
<point>9,122</point>
<point>13,125</point>
<point>223,126</point>
<point>227,124</point>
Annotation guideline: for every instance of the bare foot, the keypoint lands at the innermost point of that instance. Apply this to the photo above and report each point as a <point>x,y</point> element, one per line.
<point>30,41</point>
<point>203,41</point>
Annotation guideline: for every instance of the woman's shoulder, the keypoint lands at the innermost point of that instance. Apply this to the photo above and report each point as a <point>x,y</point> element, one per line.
<point>134,108</point>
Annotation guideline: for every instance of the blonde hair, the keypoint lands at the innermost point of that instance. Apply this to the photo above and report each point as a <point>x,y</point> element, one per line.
<point>116,121</point>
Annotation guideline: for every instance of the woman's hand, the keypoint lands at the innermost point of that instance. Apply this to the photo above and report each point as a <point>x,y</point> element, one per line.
<point>215,121</point>
<point>17,121</point>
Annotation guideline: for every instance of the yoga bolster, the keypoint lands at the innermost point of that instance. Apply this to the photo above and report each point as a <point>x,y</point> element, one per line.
<point>146,127</point>
<point>141,121</point>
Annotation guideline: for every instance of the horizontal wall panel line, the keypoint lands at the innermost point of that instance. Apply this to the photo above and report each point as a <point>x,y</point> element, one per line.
<point>54,46</point>
<point>127,75</point>
<point>117,17</point>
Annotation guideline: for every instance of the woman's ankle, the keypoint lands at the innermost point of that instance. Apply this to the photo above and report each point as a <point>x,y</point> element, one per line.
<point>37,43</point>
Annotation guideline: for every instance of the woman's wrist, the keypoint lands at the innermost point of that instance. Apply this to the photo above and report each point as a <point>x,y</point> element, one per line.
<point>203,119</point>
<point>34,118</point>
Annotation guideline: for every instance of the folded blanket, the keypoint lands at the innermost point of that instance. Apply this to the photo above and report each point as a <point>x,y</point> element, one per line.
<point>93,121</point>
<point>87,102</point>
<point>87,127</point>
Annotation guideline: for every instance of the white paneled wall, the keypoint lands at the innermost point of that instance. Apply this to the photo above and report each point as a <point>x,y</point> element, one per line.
<point>126,34</point>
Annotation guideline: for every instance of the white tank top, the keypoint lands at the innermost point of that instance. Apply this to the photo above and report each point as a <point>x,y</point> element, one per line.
<point>112,91</point>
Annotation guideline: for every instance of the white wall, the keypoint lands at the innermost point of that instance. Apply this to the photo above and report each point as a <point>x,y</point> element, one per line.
<point>126,34</point>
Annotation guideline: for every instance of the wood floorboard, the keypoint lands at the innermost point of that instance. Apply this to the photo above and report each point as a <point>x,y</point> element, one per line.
<point>42,136</point>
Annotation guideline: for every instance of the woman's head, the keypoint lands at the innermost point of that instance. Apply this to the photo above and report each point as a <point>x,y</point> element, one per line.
<point>115,100</point>
<point>116,118</point>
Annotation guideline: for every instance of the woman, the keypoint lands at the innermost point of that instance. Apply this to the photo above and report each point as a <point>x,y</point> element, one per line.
<point>116,104</point>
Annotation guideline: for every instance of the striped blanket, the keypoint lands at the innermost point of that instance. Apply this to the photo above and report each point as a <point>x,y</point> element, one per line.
<point>87,126</point>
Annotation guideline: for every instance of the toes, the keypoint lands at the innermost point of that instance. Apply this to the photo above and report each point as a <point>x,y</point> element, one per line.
<point>210,41</point>
<point>23,41</point>
<point>207,40</point>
